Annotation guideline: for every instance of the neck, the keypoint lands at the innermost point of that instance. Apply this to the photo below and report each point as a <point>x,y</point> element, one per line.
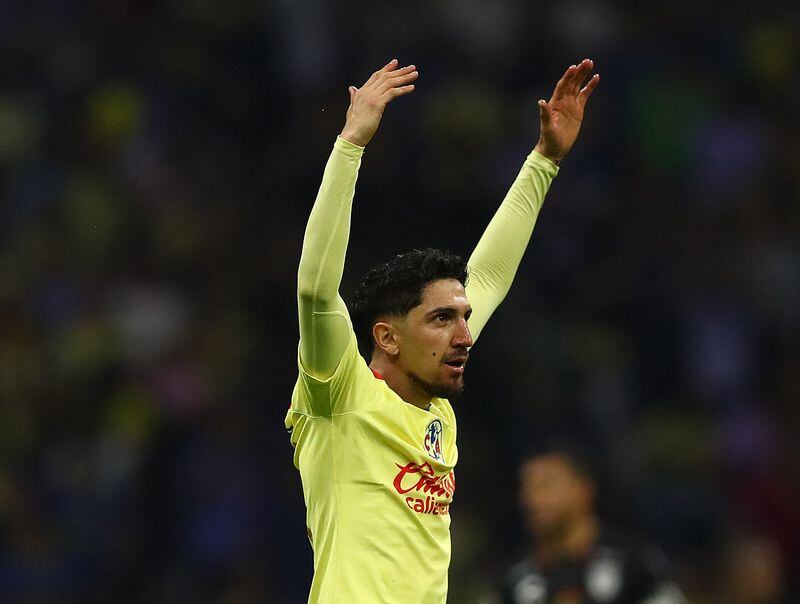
<point>406,387</point>
<point>575,541</point>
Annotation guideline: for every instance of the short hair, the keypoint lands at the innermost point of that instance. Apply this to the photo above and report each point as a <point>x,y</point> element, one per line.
<point>576,455</point>
<point>395,287</point>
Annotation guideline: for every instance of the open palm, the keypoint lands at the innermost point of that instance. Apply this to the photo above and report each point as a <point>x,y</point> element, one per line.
<point>368,103</point>
<point>560,118</point>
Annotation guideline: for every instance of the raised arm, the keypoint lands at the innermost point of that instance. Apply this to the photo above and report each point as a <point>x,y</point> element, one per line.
<point>495,260</point>
<point>324,321</point>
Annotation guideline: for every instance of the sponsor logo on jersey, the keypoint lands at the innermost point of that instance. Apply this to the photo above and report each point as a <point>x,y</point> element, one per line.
<point>424,492</point>
<point>433,440</point>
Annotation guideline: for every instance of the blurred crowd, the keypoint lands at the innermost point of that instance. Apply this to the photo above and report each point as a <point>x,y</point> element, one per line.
<point>158,163</point>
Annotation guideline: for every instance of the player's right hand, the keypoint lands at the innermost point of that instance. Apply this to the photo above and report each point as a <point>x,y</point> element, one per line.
<point>368,102</point>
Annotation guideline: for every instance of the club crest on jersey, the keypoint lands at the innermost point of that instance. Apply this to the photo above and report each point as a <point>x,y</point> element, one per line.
<point>433,439</point>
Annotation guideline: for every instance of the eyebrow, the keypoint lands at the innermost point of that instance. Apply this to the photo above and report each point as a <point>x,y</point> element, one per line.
<point>449,310</point>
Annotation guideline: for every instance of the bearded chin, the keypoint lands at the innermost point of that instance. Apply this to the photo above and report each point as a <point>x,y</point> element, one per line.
<point>441,390</point>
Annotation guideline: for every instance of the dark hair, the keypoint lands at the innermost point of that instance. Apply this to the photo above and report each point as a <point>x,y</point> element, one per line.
<point>395,287</point>
<point>580,460</point>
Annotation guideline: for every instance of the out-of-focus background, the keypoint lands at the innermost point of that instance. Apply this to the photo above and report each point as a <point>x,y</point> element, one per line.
<point>159,161</point>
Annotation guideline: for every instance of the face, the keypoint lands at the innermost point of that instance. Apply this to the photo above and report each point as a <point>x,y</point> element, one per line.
<point>553,495</point>
<point>433,339</point>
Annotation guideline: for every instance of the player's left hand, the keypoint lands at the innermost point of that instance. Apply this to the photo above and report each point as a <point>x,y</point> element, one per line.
<point>560,118</point>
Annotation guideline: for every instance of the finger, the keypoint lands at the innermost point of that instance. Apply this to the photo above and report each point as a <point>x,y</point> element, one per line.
<point>385,69</point>
<point>583,69</point>
<point>545,117</point>
<point>395,78</point>
<point>393,93</point>
<point>563,85</point>
<point>402,80</point>
<point>390,66</point>
<point>587,91</point>
<point>401,71</point>
<point>352,90</point>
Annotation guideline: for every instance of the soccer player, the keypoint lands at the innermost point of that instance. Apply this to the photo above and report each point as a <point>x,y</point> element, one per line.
<point>574,558</point>
<point>375,438</point>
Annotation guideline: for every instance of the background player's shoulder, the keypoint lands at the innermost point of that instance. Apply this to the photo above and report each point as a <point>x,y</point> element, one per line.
<point>644,561</point>
<point>520,568</point>
<point>524,583</point>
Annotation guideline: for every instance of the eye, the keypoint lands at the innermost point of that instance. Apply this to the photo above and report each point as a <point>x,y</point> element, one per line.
<point>441,317</point>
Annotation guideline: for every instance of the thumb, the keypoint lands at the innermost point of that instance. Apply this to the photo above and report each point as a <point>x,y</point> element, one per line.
<point>544,112</point>
<point>352,90</point>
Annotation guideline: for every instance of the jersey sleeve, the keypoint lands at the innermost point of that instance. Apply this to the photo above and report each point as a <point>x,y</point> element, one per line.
<point>495,260</point>
<point>349,388</point>
<point>325,327</point>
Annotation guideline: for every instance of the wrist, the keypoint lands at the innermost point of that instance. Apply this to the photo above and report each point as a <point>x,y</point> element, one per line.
<point>352,137</point>
<point>541,150</point>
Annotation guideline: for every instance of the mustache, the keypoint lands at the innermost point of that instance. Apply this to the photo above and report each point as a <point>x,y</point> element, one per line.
<point>458,355</point>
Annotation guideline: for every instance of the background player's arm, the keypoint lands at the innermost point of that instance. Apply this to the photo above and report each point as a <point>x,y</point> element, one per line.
<point>324,321</point>
<point>496,258</point>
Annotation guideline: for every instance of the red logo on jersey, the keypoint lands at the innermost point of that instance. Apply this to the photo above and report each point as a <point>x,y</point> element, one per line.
<point>415,479</point>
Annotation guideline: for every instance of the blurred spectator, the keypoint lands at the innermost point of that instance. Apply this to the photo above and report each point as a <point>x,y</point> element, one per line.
<point>752,572</point>
<point>575,558</point>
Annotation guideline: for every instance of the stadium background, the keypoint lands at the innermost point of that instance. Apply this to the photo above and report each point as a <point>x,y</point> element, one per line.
<point>159,161</point>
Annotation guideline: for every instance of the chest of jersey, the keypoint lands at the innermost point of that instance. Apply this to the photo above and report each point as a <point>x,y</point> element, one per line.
<point>407,453</point>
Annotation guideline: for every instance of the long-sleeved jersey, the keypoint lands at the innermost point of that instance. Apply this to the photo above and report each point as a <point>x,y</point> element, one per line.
<point>377,472</point>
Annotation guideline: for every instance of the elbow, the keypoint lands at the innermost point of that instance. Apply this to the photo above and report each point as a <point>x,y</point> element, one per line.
<point>307,280</point>
<point>311,295</point>
<point>315,286</point>
<point>305,289</point>
<point>304,298</point>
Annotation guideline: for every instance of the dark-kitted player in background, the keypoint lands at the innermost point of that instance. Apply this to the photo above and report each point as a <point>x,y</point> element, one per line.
<point>574,558</point>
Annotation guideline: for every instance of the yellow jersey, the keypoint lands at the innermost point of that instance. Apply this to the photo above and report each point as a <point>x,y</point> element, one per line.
<point>378,472</point>
<point>378,483</point>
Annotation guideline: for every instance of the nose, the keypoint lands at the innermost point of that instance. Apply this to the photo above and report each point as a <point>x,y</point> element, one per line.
<point>462,338</point>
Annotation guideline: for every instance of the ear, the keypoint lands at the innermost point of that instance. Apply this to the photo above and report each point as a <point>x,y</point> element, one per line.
<point>385,336</point>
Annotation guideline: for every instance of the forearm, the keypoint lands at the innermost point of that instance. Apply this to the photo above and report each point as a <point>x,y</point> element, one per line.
<point>323,317</point>
<point>495,260</point>
<point>328,228</point>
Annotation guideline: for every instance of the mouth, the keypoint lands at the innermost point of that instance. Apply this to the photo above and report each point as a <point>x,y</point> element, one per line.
<point>457,364</point>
